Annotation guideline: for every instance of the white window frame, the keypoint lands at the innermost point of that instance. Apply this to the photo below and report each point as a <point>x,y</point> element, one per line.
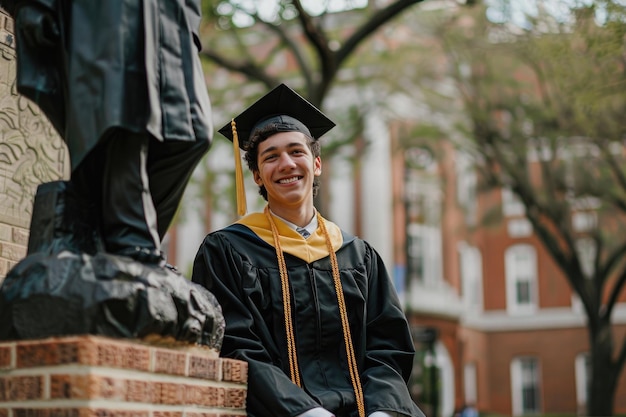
<point>471,276</point>
<point>466,187</point>
<point>519,378</point>
<point>430,252</point>
<point>581,371</point>
<point>511,204</point>
<point>584,221</point>
<point>586,250</point>
<point>470,383</point>
<point>519,227</point>
<point>514,271</point>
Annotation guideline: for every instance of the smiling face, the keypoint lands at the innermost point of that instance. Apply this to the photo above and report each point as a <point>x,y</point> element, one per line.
<point>287,169</point>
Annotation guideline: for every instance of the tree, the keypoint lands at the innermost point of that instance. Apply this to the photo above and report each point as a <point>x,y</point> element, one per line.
<point>318,45</point>
<point>287,41</point>
<point>545,104</point>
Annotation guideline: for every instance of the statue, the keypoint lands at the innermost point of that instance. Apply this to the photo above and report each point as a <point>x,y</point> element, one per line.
<point>122,83</point>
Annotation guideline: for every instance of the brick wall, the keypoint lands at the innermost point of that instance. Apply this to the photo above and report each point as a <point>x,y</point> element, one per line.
<point>87,376</point>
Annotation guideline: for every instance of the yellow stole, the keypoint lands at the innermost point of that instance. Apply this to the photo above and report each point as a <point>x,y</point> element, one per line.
<point>291,242</point>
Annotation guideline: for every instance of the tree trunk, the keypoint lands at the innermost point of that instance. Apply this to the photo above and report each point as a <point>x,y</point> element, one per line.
<point>602,385</point>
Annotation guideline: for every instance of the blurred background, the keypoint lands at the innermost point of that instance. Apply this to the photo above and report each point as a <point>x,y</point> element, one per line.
<point>480,149</point>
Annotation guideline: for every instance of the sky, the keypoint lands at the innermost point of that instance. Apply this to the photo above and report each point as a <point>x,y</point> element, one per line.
<point>501,10</point>
<point>498,11</point>
<point>267,8</point>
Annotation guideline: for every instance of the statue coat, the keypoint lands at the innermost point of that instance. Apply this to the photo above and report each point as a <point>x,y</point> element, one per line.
<point>132,64</point>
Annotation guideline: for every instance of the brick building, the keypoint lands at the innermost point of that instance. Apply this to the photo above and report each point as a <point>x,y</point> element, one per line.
<point>512,336</point>
<point>495,321</point>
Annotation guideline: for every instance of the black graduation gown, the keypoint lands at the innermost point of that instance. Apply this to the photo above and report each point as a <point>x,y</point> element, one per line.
<point>239,266</point>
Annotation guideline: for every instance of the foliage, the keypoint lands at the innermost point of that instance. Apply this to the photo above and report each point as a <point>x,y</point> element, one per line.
<point>545,105</point>
<point>289,41</point>
<point>255,48</point>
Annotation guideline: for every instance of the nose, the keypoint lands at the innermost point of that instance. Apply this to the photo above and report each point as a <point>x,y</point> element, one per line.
<point>286,161</point>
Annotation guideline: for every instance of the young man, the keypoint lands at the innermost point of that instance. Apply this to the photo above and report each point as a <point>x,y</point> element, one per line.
<point>308,306</point>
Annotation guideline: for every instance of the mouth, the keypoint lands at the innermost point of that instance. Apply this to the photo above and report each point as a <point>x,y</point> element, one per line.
<point>289,180</point>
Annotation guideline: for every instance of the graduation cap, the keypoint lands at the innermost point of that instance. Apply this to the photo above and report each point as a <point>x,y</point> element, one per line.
<point>285,111</point>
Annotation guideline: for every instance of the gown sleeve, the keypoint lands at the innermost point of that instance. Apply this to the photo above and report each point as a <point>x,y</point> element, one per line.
<point>389,347</point>
<point>222,270</point>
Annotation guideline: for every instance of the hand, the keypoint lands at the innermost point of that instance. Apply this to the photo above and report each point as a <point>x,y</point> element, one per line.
<point>37,25</point>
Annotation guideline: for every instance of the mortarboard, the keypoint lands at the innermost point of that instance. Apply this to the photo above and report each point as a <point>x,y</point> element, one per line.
<point>283,109</point>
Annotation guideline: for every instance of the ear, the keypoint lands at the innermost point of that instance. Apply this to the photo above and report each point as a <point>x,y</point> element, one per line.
<point>317,166</point>
<point>257,178</point>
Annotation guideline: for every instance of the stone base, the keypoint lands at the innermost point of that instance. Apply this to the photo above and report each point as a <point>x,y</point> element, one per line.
<point>62,294</point>
<point>89,376</point>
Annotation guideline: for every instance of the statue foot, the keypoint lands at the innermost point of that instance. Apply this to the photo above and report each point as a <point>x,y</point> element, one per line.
<point>108,295</point>
<point>143,255</point>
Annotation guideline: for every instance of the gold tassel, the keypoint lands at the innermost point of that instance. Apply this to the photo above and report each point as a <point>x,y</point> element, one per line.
<point>239,186</point>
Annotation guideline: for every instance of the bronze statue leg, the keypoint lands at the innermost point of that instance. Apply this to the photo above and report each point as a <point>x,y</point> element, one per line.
<point>129,219</point>
<point>136,183</point>
<point>170,165</point>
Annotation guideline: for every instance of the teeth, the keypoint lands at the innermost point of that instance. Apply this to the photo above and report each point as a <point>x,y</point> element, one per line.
<point>288,180</point>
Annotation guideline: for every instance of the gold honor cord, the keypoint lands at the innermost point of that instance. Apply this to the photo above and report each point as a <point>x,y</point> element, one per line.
<point>239,186</point>
<point>354,370</point>
<point>291,347</point>
<point>284,280</point>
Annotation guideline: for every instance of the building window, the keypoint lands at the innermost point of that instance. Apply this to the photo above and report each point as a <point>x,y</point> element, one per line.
<point>525,386</point>
<point>469,382</point>
<point>471,276</point>
<point>586,250</point>
<point>521,279</point>
<point>466,186</point>
<point>520,227</point>
<point>423,211</point>
<point>415,254</point>
<point>582,372</point>
<point>511,204</point>
<point>584,221</point>
<point>424,264</point>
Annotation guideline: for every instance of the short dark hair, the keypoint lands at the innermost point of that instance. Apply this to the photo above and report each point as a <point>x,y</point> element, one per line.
<point>252,153</point>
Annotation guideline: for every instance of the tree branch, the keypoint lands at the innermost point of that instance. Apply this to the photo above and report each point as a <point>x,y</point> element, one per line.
<point>307,71</point>
<point>615,292</point>
<point>248,68</point>
<point>614,165</point>
<point>327,59</point>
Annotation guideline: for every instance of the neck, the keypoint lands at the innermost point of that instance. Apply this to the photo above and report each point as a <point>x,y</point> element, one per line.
<point>300,216</point>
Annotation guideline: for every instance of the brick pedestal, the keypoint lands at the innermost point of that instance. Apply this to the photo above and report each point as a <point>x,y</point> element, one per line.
<point>89,376</point>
